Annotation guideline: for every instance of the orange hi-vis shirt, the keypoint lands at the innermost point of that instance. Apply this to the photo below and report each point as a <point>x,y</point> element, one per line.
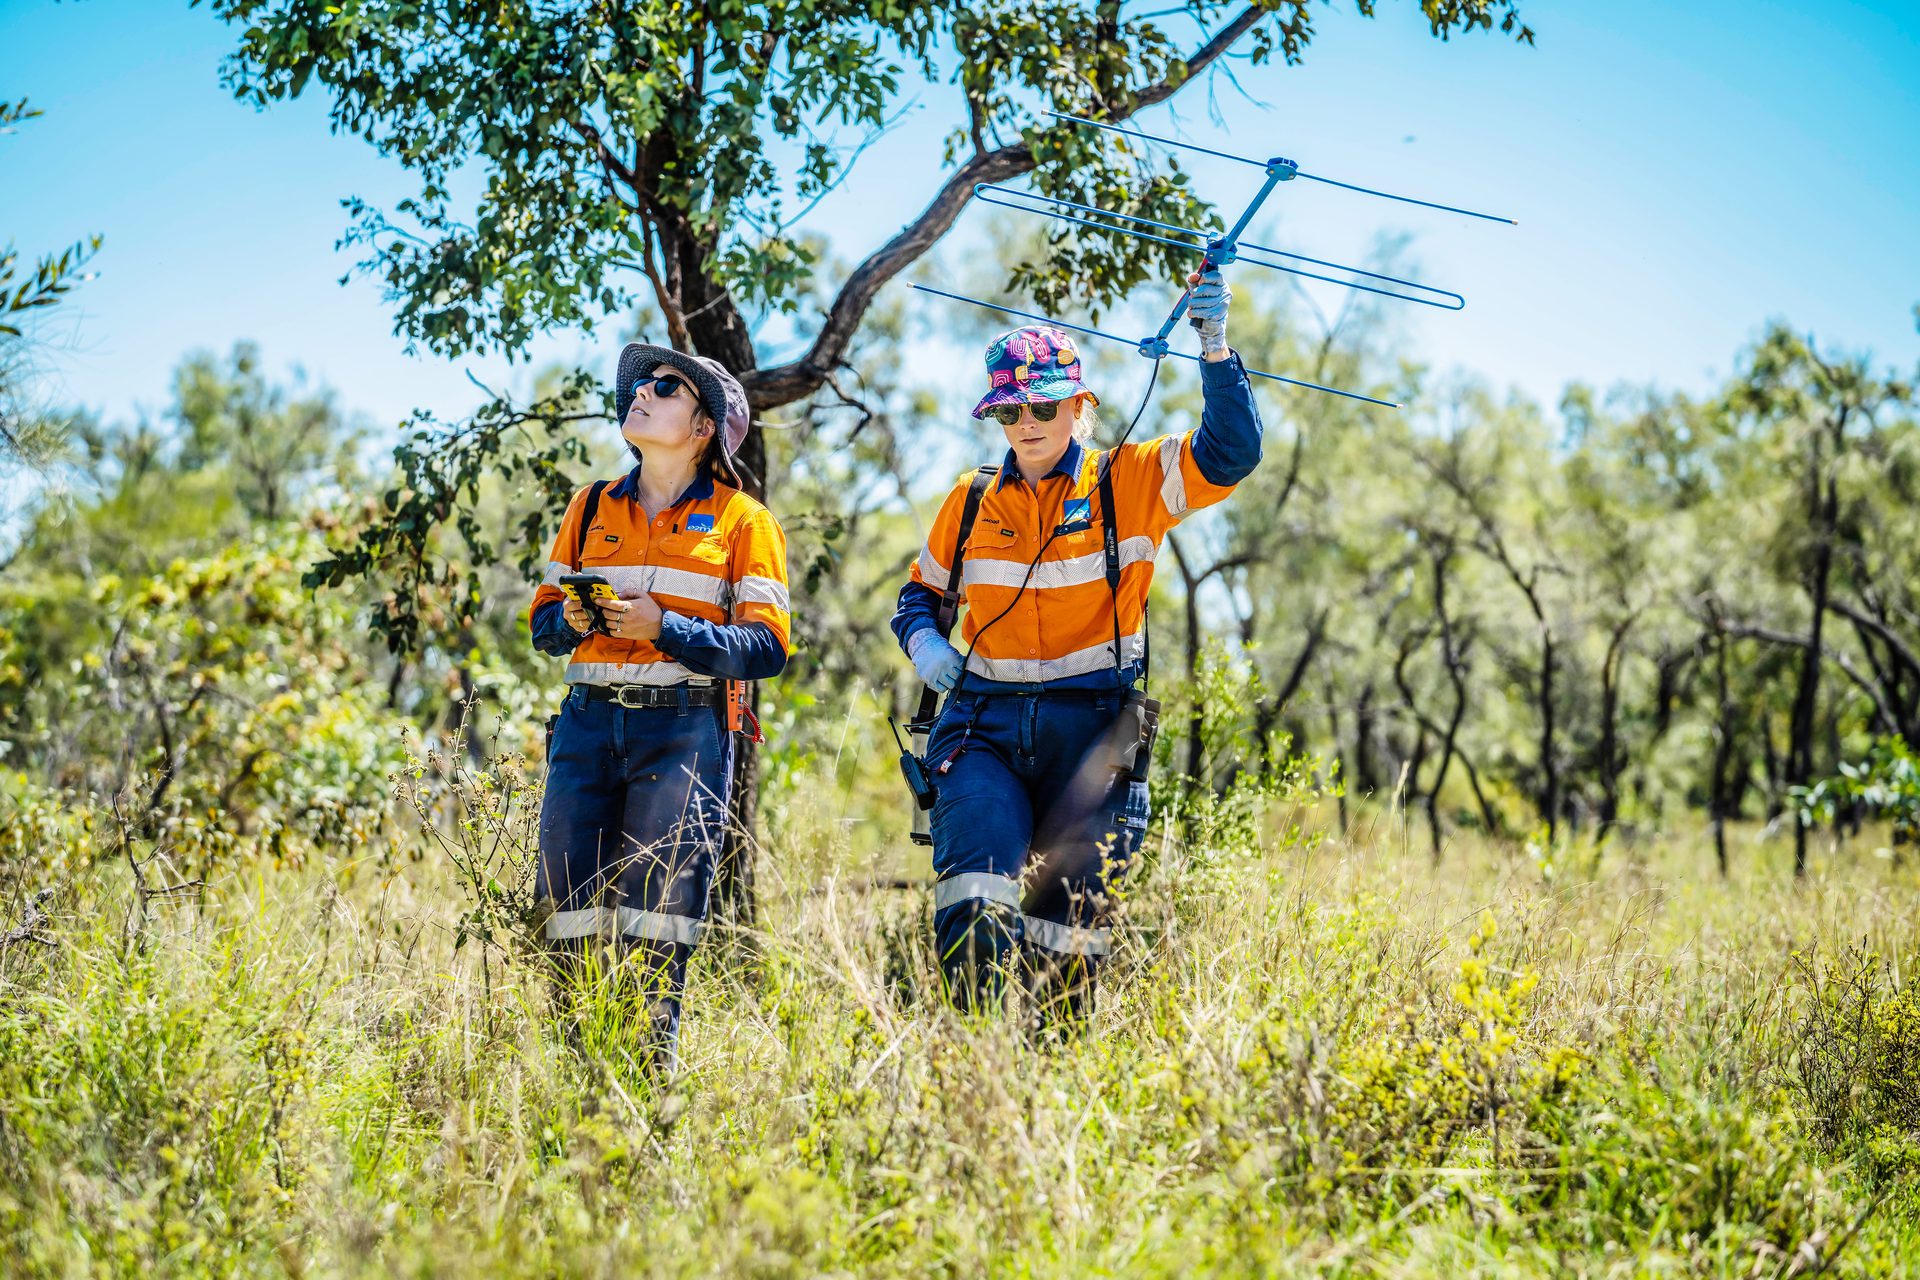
<point>1061,628</point>
<point>715,560</point>
<point>1062,625</point>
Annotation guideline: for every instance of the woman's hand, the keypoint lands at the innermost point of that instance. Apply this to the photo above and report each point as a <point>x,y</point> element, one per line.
<point>577,616</point>
<point>635,617</point>
<point>1207,312</point>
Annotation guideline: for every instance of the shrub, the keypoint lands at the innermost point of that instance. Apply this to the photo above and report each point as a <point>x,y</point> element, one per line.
<point>1857,1066</point>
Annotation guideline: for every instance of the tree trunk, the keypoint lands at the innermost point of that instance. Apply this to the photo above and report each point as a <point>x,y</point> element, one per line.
<point>702,318</point>
<point>1823,508</point>
<point>1196,723</point>
<point>1611,765</point>
<point>1487,816</point>
<point>1722,752</point>
<point>1339,759</point>
<point>1739,779</point>
<point>733,897</point>
<point>1776,771</point>
<point>1267,713</point>
<point>1364,776</point>
<point>1549,762</point>
<point>1419,758</point>
<point>1453,655</point>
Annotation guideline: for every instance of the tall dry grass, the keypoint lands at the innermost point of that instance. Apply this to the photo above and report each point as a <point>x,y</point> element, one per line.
<point>1316,1053</point>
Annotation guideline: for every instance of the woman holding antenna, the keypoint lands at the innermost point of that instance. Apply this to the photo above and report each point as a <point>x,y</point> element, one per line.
<point>1039,755</point>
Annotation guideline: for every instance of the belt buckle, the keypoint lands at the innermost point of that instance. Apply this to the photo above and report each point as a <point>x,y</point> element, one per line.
<point>639,693</point>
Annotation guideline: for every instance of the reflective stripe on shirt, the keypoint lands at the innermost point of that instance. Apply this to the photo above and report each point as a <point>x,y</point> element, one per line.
<point>653,673</point>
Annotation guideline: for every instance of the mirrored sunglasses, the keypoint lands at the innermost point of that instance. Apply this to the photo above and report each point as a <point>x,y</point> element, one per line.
<point>1008,414</point>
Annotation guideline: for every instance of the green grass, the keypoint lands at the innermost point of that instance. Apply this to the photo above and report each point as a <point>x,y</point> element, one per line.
<point>1315,1055</point>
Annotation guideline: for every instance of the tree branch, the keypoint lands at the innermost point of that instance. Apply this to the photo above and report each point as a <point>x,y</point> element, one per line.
<point>676,319</point>
<point>783,384</point>
<point>608,161</point>
<point>1896,644</point>
<point>1749,631</point>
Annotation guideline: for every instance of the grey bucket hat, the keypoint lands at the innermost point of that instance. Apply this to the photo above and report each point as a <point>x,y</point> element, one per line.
<point>721,394</point>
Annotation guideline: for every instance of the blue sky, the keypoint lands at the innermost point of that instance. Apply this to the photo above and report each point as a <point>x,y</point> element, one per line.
<point>1680,173</point>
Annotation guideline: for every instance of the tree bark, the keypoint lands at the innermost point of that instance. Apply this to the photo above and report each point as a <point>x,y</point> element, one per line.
<point>1722,752</point>
<point>1549,760</point>
<point>1364,776</point>
<point>1823,503</point>
<point>1339,758</point>
<point>1775,766</point>
<point>1611,764</point>
<point>1195,720</point>
<point>1268,711</point>
<point>1453,656</point>
<point>1419,756</point>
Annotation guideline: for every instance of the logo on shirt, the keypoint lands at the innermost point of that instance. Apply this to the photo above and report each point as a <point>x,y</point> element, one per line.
<point>1079,510</point>
<point>700,524</point>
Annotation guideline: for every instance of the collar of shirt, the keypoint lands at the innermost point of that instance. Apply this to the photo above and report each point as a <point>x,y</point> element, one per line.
<point>699,491</point>
<point>1068,466</point>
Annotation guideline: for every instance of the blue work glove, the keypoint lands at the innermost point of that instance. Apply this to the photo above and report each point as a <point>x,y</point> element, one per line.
<point>937,661</point>
<point>1207,310</point>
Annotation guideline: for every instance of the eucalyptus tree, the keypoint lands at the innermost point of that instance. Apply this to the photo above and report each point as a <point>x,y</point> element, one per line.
<point>1841,441</point>
<point>1494,467</point>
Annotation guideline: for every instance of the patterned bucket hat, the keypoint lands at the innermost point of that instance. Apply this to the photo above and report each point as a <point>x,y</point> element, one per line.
<point>1033,363</point>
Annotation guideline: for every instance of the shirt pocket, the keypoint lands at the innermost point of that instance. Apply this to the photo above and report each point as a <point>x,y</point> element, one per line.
<point>1071,546</point>
<point>693,566</point>
<point>602,547</point>
<point>989,549</point>
<point>704,548</point>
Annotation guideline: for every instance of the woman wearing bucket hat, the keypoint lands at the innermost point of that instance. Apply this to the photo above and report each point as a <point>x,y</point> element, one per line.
<point>1039,755</point>
<point>639,761</point>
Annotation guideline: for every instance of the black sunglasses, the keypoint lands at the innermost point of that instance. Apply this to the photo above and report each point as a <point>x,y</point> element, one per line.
<point>664,385</point>
<point>1043,411</point>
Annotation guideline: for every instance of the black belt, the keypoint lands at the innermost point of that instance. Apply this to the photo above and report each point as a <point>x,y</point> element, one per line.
<point>655,695</point>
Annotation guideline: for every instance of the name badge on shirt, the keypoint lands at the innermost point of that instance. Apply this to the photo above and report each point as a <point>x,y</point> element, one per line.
<point>700,524</point>
<point>1078,515</point>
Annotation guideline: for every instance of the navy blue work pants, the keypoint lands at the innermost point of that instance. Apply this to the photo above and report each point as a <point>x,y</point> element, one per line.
<point>1031,828</point>
<point>630,829</point>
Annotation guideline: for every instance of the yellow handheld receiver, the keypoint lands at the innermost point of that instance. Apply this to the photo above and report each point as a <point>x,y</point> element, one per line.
<point>588,590</point>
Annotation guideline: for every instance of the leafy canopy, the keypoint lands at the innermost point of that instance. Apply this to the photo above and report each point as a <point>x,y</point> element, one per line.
<point>665,151</point>
<point>576,160</point>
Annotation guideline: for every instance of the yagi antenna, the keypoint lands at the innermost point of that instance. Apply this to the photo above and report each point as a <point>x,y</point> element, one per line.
<point>1298,173</point>
<point>1201,242</point>
<point>1217,251</point>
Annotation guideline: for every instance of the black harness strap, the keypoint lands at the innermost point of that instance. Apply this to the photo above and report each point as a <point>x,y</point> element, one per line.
<point>950,597</point>
<point>586,520</point>
<point>1110,535</point>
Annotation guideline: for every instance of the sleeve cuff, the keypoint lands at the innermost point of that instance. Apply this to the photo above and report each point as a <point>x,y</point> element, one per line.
<point>1223,373</point>
<point>675,632</point>
<point>919,628</point>
<point>918,639</point>
<point>550,630</point>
